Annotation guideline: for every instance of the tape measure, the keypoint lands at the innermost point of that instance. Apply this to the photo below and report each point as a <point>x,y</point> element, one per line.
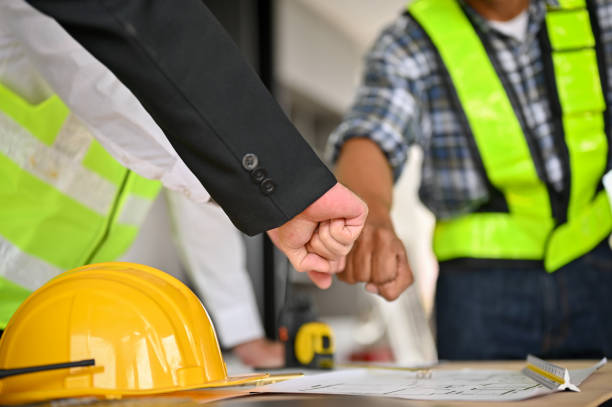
<point>308,343</point>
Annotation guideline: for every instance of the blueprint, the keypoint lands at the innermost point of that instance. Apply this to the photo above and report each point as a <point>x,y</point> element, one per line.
<point>465,384</point>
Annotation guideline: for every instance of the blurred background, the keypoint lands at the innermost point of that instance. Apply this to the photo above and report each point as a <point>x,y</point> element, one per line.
<point>309,53</point>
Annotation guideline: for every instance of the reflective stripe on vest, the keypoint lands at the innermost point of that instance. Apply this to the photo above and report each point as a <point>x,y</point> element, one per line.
<point>528,231</point>
<point>65,201</point>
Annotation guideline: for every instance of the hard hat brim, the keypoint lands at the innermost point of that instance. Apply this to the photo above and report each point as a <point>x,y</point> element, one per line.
<point>238,380</point>
<point>39,396</point>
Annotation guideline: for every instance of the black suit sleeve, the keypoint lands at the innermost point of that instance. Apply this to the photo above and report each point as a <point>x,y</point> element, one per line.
<point>191,78</point>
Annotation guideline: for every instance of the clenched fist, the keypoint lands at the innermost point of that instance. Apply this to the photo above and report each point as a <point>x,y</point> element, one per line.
<point>378,259</point>
<point>317,240</point>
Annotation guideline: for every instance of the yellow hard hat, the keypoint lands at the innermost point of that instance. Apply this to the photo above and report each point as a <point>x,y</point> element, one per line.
<point>147,332</point>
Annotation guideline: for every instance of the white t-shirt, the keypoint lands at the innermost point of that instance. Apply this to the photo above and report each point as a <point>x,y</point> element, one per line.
<point>515,28</point>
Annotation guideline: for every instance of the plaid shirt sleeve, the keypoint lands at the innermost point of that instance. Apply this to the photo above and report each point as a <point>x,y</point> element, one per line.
<point>385,108</point>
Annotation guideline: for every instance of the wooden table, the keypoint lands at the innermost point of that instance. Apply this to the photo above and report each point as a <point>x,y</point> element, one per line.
<point>594,391</point>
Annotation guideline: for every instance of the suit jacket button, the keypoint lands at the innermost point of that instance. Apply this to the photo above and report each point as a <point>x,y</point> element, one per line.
<point>249,161</point>
<point>267,186</point>
<point>258,175</point>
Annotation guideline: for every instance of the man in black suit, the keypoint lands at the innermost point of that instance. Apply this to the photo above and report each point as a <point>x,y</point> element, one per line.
<point>176,59</point>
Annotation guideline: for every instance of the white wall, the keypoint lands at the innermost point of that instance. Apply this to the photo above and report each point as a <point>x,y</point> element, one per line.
<point>321,43</point>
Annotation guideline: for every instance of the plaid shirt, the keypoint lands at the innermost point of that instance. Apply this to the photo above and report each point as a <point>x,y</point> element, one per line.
<point>403,100</point>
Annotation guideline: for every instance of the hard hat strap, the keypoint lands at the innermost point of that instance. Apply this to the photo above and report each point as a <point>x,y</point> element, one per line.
<point>33,369</point>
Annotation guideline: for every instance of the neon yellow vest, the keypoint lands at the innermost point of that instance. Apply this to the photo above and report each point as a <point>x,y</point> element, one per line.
<point>527,230</point>
<point>64,201</point>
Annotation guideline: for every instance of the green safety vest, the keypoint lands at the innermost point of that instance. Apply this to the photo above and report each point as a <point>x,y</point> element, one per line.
<point>536,224</point>
<point>64,201</point>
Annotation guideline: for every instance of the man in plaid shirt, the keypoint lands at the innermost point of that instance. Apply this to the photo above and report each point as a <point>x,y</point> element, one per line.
<point>485,307</point>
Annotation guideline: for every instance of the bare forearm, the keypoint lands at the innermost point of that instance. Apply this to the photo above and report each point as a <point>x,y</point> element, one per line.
<point>378,257</point>
<point>364,169</point>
